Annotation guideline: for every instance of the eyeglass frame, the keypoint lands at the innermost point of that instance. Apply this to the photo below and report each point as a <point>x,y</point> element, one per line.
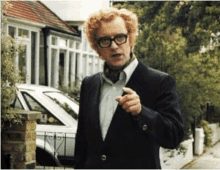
<point>112,39</point>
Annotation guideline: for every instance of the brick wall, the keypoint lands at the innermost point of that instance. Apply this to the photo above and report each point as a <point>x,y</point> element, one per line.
<point>19,141</point>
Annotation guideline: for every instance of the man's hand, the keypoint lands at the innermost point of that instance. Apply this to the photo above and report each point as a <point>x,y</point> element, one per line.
<point>130,102</point>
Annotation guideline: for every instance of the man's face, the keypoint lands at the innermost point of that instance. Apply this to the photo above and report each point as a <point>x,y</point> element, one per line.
<point>116,56</point>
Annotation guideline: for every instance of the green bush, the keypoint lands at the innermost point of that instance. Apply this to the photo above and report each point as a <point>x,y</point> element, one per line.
<point>73,92</point>
<point>208,133</point>
<point>9,75</point>
<point>171,34</point>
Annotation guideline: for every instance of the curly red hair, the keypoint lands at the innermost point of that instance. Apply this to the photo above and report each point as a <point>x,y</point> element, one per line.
<point>93,23</point>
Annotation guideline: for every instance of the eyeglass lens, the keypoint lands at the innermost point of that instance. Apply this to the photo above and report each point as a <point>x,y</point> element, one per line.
<point>118,39</point>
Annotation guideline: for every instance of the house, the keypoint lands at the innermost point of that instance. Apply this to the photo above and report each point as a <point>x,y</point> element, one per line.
<point>55,53</point>
<point>91,62</point>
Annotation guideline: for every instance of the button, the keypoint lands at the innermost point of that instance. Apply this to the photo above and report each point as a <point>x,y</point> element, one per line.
<point>103,157</point>
<point>145,127</point>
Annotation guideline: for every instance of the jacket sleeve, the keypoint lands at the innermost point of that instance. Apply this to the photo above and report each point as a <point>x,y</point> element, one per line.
<point>81,144</point>
<point>164,123</point>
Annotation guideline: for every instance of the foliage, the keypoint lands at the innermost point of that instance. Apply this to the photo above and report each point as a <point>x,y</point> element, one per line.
<point>215,115</point>
<point>208,133</point>
<point>9,75</point>
<point>67,108</point>
<point>73,92</point>
<point>171,37</point>
<point>179,150</point>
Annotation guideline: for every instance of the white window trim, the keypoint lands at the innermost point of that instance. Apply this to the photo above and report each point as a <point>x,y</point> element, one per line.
<point>27,41</point>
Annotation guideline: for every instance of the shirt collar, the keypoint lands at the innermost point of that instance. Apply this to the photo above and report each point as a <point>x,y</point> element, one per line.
<point>127,72</point>
<point>130,69</point>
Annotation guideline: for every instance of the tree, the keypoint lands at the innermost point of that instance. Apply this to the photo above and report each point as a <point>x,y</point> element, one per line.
<point>9,75</point>
<point>171,34</point>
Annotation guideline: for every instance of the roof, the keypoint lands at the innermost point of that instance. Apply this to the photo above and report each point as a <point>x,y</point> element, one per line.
<point>36,11</point>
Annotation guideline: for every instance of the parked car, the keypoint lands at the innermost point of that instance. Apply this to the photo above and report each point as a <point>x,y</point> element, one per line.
<point>56,129</point>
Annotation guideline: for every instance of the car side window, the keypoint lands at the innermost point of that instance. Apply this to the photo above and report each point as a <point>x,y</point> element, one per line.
<point>17,104</point>
<point>47,117</point>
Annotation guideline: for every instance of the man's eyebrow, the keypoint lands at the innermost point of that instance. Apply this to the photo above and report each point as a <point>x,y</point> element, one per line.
<point>105,37</point>
<point>110,36</point>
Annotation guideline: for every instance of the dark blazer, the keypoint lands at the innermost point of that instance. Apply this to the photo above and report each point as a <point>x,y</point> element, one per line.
<point>131,141</point>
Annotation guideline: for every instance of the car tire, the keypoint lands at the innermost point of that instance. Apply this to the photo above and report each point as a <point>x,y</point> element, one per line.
<point>43,158</point>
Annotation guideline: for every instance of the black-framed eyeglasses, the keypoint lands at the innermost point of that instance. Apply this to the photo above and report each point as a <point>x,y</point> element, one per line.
<point>105,42</point>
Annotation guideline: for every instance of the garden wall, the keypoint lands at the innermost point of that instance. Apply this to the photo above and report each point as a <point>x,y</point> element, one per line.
<point>216,132</point>
<point>173,159</point>
<point>19,142</point>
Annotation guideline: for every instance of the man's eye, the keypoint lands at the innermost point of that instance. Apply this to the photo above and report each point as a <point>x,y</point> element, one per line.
<point>104,41</point>
<point>120,38</point>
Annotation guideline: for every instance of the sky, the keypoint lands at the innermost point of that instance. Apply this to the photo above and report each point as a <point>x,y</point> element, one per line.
<point>75,9</point>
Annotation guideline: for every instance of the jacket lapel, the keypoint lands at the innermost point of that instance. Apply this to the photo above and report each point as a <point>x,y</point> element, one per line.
<point>94,96</point>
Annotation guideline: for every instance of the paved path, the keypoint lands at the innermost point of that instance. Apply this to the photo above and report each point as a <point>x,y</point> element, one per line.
<point>209,160</point>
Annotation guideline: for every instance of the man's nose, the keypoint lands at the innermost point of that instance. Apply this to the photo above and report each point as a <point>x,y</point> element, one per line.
<point>114,45</point>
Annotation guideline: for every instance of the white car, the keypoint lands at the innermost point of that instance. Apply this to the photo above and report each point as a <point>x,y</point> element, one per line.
<point>56,129</point>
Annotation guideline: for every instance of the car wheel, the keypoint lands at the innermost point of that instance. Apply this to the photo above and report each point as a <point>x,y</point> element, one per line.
<point>43,158</point>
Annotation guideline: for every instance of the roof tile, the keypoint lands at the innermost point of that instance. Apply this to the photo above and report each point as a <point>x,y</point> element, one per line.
<point>36,11</point>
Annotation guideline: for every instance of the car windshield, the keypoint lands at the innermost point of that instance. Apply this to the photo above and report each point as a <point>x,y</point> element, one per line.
<point>65,102</point>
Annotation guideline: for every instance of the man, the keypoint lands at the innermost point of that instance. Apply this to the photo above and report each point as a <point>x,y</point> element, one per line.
<point>128,111</point>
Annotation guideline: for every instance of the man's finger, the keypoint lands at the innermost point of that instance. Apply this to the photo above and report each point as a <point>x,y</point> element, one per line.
<point>128,90</point>
<point>118,98</point>
<point>130,103</point>
<point>126,98</point>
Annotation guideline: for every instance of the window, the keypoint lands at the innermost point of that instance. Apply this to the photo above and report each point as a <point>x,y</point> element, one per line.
<point>54,41</point>
<point>85,45</point>
<point>33,56</point>
<point>17,104</point>
<point>78,45</point>
<point>11,31</point>
<point>71,44</point>
<point>62,42</point>
<point>41,38</point>
<point>66,103</point>
<point>90,64</point>
<point>53,67</point>
<point>23,33</point>
<point>42,68</point>
<point>84,65</point>
<point>47,117</point>
<point>71,69</point>
<point>61,68</point>
<point>22,63</point>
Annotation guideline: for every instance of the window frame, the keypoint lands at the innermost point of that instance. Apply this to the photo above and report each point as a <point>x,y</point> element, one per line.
<point>29,107</point>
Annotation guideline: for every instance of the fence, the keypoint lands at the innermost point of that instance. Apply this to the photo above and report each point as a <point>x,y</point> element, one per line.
<point>55,150</point>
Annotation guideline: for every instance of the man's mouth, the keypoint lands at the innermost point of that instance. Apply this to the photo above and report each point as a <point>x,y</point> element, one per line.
<point>116,55</point>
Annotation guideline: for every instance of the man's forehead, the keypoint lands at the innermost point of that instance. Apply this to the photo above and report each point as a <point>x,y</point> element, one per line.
<point>112,27</point>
